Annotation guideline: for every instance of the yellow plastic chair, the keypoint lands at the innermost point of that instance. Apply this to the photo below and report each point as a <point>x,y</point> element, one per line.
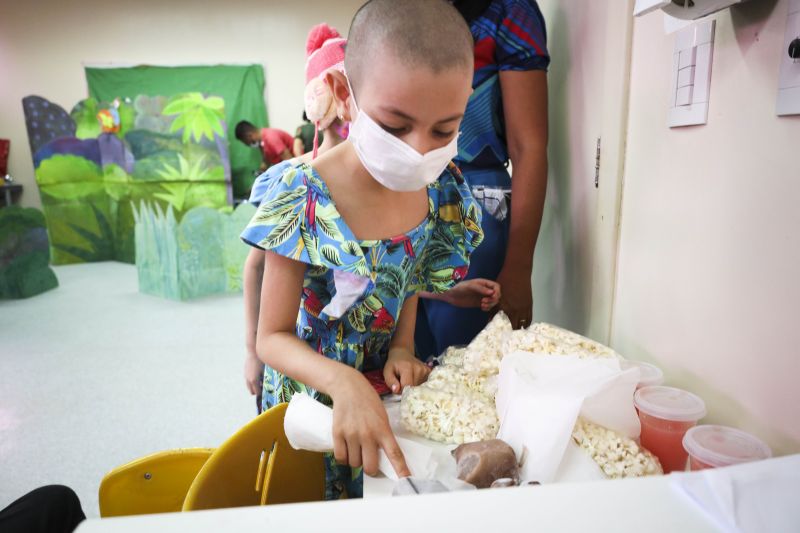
<point>258,466</point>
<point>157,483</point>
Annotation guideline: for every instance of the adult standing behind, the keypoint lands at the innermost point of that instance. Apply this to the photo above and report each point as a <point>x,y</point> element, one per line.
<point>506,120</point>
<point>275,144</point>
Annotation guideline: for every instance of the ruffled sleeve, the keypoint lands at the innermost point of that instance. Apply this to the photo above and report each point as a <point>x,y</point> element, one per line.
<point>455,235</point>
<point>522,37</point>
<point>265,180</point>
<point>298,220</point>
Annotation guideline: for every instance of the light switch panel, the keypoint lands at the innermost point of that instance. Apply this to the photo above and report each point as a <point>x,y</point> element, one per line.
<point>685,77</point>
<point>691,74</point>
<point>789,80</point>
<point>684,96</point>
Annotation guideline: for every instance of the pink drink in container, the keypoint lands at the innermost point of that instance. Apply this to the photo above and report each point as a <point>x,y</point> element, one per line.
<point>716,446</point>
<point>666,414</point>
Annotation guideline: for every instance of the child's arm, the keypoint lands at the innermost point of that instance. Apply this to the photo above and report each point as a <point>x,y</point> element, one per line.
<point>402,368</point>
<point>298,148</point>
<point>479,292</point>
<point>253,274</point>
<point>360,423</point>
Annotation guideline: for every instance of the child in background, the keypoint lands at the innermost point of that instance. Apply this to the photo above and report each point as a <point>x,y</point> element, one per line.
<point>275,144</point>
<point>325,52</point>
<point>377,219</point>
<point>304,137</point>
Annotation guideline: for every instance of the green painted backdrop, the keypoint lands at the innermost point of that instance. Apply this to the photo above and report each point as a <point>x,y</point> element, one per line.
<point>241,86</point>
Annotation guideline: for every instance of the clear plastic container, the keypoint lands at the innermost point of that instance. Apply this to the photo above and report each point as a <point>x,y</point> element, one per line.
<point>666,414</point>
<point>716,446</point>
<point>649,374</point>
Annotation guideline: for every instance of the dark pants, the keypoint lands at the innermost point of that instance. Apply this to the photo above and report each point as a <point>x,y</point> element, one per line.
<point>440,325</point>
<point>50,509</point>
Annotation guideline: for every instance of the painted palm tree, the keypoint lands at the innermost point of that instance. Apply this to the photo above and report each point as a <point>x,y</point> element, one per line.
<point>199,117</point>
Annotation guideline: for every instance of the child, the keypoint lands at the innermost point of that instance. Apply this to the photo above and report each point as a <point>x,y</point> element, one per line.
<point>377,219</point>
<point>325,50</point>
<point>275,144</point>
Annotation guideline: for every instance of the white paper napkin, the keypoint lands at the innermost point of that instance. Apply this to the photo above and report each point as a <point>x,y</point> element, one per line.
<point>540,397</point>
<point>309,426</point>
<point>748,498</point>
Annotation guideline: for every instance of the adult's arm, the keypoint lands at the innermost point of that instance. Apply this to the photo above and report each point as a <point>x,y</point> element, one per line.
<point>524,96</point>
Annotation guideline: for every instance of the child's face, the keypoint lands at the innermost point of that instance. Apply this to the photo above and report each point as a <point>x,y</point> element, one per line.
<point>422,108</point>
<point>253,138</point>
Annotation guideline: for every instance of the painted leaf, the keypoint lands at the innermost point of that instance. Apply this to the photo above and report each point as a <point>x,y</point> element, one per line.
<point>352,248</point>
<point>312,247</point>
<point>360,267</point>
<point>281,233</point>
<point>288,176</point>
<point>284,198</point>
<point>391,280</point>
<point>331,254</point>
<point>329,228</point>
<point>356,319</point>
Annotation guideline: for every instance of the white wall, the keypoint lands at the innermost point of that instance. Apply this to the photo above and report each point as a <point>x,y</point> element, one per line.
<point>575,261</point>
<point>43,45</point>
<point>707,284</point>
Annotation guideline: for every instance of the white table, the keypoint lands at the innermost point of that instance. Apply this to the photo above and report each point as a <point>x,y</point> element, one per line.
<point>634,505</point>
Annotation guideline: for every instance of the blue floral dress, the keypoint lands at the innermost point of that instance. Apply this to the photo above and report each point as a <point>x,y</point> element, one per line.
<point>298,219</point>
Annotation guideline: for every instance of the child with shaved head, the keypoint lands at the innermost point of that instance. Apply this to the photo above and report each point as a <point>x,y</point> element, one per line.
<point>354,237</point>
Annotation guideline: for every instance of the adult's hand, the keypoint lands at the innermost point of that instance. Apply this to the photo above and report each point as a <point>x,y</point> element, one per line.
<point>516,300</point>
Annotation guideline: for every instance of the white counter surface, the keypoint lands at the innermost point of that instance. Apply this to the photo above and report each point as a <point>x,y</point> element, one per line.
<point>635,505</point>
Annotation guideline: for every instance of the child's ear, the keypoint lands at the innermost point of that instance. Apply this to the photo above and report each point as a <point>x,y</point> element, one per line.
<point>341,94</point>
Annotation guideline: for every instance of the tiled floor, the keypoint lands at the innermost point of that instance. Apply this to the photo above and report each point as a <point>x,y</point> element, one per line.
<point>94,374</point>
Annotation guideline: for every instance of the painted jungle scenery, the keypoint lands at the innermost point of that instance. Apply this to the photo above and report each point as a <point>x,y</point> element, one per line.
<point>95,163</point>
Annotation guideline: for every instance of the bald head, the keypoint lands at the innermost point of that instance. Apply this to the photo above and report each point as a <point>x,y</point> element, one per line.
<point>420,33</point>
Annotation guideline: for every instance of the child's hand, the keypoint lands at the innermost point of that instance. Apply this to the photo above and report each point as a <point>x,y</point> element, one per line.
<point>402,369</point>
<point>361,426</point>
<point>483,293</point>
<point>253,373</point>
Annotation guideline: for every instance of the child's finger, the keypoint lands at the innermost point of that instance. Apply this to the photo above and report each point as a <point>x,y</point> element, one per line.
<point>395,455</point>
<point>354,453</point>
<point>390,377</point>
<point>369,457</point>
<point>339,449</point>
<point>406,376</point>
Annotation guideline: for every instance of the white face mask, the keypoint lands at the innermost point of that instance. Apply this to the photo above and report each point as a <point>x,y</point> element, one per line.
<point>393,163</point>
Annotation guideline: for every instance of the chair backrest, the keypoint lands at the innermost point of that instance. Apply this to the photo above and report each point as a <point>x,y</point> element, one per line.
<point>258,466</point>
<point>156,483</point>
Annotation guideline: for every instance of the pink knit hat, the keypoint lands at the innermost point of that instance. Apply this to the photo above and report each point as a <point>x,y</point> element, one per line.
<point>324,51</point>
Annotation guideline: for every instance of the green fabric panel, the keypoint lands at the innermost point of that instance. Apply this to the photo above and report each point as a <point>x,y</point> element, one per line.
<point>241,86</point>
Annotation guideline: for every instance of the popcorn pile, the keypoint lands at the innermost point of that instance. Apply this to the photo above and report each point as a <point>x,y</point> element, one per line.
<point>484,353</point>
<point>456,405</point>
<point>616,455</point>
<point>451,413</point>
<point>547,339</point>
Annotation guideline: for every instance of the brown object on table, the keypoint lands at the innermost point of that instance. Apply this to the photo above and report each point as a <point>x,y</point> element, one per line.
<point>482,463</point>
